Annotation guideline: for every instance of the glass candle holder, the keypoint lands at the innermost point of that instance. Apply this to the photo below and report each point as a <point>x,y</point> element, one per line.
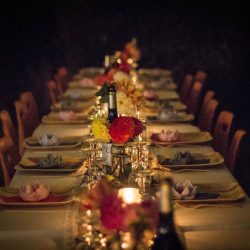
<point>130,195</point>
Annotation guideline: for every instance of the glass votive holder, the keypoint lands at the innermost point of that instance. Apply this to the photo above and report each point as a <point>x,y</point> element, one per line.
<point>130,195</point>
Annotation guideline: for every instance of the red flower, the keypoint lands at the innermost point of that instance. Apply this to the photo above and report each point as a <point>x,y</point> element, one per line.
<point>138,126</point>
<point>98,194</point>
<point>125,67</point>
<point>122,129</point>
<point>101,79</point>
<point>112,213</point>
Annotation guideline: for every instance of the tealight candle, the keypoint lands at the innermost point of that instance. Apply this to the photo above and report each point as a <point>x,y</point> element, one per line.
<point>130,195</point>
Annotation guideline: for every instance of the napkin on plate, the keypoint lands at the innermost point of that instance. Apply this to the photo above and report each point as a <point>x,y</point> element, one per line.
<point>67,115</point>
<point>49,140</point>
<point>184,190</point>
<point>150,94</point>
<point>87,82</point>
<point>171,135</point>
<point>33,192</point>
<point>51,161</point>
<point>168,115</point>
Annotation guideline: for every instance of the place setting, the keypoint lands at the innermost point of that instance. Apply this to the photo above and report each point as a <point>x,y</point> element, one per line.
<point>76,106</point>
<point>52,142</point>
<point>85,94</point>
<point>174,137</point>
<point>170,116</point>
<point>51,163</point>
<point>33,194</point>
<point>200,195</point>
<point>65,117</point>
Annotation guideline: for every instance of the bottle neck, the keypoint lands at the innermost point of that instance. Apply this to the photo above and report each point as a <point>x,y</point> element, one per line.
<point>112,100</point>
<point>165,199</point>
<point>166,219</point>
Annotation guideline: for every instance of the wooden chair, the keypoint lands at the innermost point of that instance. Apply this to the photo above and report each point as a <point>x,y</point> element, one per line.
<point>9,158</point>
<point>7,126</point>
<point>208,96</point>
<point>28,98</point>
<point>234,149</point>
<point>62,78</point>
<point>54,91</point>
<point>194,97</point>
<point>25,126</point>
<point>222,131</point>
<point>207,114</point>
<point>186,86</point>
<point>200,76</point>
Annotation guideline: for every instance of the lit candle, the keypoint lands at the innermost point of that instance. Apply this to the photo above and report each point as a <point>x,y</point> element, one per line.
<point>130,195</point>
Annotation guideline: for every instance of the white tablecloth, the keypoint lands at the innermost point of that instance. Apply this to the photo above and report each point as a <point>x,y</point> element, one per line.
<point>55,227</point>
<point>47,228</point>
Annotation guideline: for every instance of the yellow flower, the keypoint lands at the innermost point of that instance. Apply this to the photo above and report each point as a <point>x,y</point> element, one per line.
<point>100,129</point>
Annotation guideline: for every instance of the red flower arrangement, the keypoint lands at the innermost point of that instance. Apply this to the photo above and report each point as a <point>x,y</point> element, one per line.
<point>105,77</point>
<point>98,194</point>
<point>138,126</point>
<point>125,128</point>
<point>114,215</point>
<point>125,67</point>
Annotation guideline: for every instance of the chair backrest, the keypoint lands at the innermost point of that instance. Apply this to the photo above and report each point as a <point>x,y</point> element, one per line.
<point>194,97</point>
<point>25,128</point>
<point>200,76</point>
<point>185,87</point>
<point>207,114</point>
<point>62,78</point>
<point>208,96</point>
<point>7,126</point>
<point>222,131</point>
<point>9,158</point>
<point>234,149</point>
<point>28,98</point>
<point>54,91</point>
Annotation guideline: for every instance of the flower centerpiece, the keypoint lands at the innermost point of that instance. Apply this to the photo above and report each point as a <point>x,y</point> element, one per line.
<point>114,137</point>
<point>120,223</point>
<point>120,131</point>
<point>123,61</point>
<point>121,70</point>
<point>128,95</point>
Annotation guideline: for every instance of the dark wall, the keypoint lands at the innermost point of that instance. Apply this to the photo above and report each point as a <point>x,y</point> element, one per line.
<point>39,36</point>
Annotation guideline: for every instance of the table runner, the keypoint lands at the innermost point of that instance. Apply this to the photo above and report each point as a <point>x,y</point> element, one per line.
<point>47,228</point>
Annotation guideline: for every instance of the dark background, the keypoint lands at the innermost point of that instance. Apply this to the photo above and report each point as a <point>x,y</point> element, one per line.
<point>39,36</point>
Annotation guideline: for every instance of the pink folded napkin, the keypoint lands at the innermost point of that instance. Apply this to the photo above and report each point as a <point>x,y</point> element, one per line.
<point>150,94</point>
<point>33,192</point>
<point>68,115</point>
<point>171,135</point>
<point>87,82</point>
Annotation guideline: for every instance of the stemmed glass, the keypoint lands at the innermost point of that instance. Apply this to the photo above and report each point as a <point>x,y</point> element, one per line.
<point>95,170</point>
<point>141,174</point>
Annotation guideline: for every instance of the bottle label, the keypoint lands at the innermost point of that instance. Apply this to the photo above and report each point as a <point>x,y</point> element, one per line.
<point>165,199</point>
<point>112,100</point>
<point>106,153</point>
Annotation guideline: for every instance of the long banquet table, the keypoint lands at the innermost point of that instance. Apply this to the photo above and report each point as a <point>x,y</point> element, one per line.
<point>216,227</point>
